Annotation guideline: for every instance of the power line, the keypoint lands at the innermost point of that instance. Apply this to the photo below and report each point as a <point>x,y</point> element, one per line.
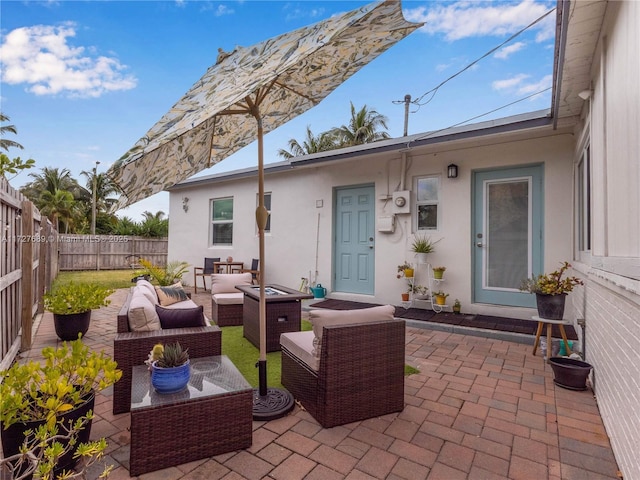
<point>434,90</point>
<point>430,134</point>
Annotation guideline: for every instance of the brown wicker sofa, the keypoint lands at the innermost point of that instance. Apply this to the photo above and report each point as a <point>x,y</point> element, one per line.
<point>131,348</point>
<point>358,371</point>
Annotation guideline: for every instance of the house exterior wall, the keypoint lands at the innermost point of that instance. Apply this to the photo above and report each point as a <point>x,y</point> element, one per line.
<point>302,229</point>
<point>610,300</point>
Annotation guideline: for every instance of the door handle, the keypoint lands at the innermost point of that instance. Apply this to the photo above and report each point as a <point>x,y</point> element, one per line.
<point>479,244</point>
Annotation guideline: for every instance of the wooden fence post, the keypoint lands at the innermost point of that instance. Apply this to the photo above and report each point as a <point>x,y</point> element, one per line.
<point>27,234</point>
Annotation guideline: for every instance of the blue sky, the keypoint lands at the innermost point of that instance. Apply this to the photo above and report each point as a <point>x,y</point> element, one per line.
<point>83,80</point>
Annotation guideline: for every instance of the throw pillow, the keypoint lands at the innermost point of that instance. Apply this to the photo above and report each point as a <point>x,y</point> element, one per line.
<point>180,317</point>
<point>142,314</point>
<point>172,294</point>
<point>149,287</point>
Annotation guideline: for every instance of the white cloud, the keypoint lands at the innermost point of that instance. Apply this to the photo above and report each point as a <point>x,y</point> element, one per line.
<point>509,83</point>
<point>41,57</point>
<point>519,86</point>
<point>465,19</point>
<point>506,52</point>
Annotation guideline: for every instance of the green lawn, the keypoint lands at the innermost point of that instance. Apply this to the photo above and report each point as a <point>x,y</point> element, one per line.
<point>107,278</point>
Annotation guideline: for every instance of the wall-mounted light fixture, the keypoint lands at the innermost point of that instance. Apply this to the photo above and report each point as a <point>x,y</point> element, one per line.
<point>185,204</point>
<point>452,171</point>
<point>585,94</point>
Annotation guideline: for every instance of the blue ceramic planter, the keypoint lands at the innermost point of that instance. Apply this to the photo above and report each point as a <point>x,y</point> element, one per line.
<point>170,380</point>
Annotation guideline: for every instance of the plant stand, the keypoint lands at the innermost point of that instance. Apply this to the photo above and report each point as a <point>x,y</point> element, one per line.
<point>434,284</point>
<point>549,323</point>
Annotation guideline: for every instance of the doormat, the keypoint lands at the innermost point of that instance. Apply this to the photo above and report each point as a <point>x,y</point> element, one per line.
<point>487,322</point>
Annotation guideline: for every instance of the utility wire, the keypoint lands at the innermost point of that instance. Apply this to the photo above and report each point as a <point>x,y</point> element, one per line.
<point>429,134</point>
<point>433,91</point>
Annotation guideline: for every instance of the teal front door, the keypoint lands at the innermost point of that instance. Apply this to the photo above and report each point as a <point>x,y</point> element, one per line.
<point>507,233</point>
<point>354,240</point>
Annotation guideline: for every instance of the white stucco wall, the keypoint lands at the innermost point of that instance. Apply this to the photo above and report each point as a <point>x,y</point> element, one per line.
<point>610,301</point>
<point>298,224</point>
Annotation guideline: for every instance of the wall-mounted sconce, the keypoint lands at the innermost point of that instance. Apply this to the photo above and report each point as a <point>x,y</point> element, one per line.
<point>185,204</point>
<point>585,94</point>
<point>452,171</point>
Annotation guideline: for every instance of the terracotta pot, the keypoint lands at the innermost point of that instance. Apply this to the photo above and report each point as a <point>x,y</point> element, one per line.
<point>405,297</point>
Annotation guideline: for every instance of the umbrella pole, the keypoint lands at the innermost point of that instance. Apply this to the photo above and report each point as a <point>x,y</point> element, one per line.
<point>268,403</point>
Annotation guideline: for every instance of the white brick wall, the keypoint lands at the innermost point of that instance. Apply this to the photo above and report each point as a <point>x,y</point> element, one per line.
<point>612,315</point>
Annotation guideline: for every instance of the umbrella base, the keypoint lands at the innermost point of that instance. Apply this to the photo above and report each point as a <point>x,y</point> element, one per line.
<point>275,404</point>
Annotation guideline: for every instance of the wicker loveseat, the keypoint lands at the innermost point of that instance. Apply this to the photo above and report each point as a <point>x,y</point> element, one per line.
<point>349,368</point>
<point>131,348</point>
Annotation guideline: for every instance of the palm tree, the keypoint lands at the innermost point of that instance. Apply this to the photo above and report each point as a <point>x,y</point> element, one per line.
<point>4,129</point>
<point>154,225</point>
<point>312,144</point>
<point>58,205</point>
<point>363,128</point>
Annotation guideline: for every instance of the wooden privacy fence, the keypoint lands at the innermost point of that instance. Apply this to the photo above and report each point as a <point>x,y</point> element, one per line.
<point>28,265</point>
<point>109,252</point>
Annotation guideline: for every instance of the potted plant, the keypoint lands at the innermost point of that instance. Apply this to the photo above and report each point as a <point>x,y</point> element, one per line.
<point>441,297</point>
<point>168,275</point>
<point>457,306</point>
<point>170,367</point>
<point>419,291</point>
<point>71,305</point>
<point>438,271</point>
<point>405,270</point>
<point>551,291</point>
<point>47,404</point>
<point>421,246</point>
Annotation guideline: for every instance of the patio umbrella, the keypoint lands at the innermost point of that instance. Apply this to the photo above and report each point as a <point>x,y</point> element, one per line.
<point>268,83</point>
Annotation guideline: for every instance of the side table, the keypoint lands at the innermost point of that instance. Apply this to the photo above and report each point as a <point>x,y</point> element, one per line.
<point>283,313</point>
<point>549,323</point>
<point>212,415</point>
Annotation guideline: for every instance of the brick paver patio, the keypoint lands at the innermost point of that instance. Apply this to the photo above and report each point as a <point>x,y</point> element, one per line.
<point>480,408</point>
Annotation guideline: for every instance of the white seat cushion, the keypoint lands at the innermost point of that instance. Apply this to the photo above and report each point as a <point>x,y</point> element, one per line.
<point>228,298</point>
<point>183,304</point>
<point>226,282</point>
<point>300,344</point>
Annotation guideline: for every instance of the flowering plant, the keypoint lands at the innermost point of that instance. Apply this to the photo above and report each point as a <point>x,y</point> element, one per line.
<point>402,268</point>
<point>551,283</point>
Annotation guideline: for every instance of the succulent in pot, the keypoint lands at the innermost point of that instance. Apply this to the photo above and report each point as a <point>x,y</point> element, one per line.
<point>438,271</point>
<point>46,409</point>
<point>170,367</point>
<point>71,305</point>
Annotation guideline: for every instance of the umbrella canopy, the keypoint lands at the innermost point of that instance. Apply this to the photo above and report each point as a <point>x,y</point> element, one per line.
<point>271,83</point>
<point>283,76</point>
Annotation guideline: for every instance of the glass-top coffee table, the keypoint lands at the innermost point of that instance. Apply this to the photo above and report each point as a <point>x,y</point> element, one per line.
<point>212,415</point>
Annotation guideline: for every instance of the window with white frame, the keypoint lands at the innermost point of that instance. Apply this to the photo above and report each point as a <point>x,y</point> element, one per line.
<point>222,221</point>
<point>583,203</point>
<point>427,202</point>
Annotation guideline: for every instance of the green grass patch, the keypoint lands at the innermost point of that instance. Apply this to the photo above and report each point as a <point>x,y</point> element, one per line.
<point>245,356</point>
<point>106,278</point>
<point>409,370</point>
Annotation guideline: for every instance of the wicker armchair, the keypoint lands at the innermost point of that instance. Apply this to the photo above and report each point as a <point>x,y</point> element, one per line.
<point>132,348</point>
<point>360,372</point>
